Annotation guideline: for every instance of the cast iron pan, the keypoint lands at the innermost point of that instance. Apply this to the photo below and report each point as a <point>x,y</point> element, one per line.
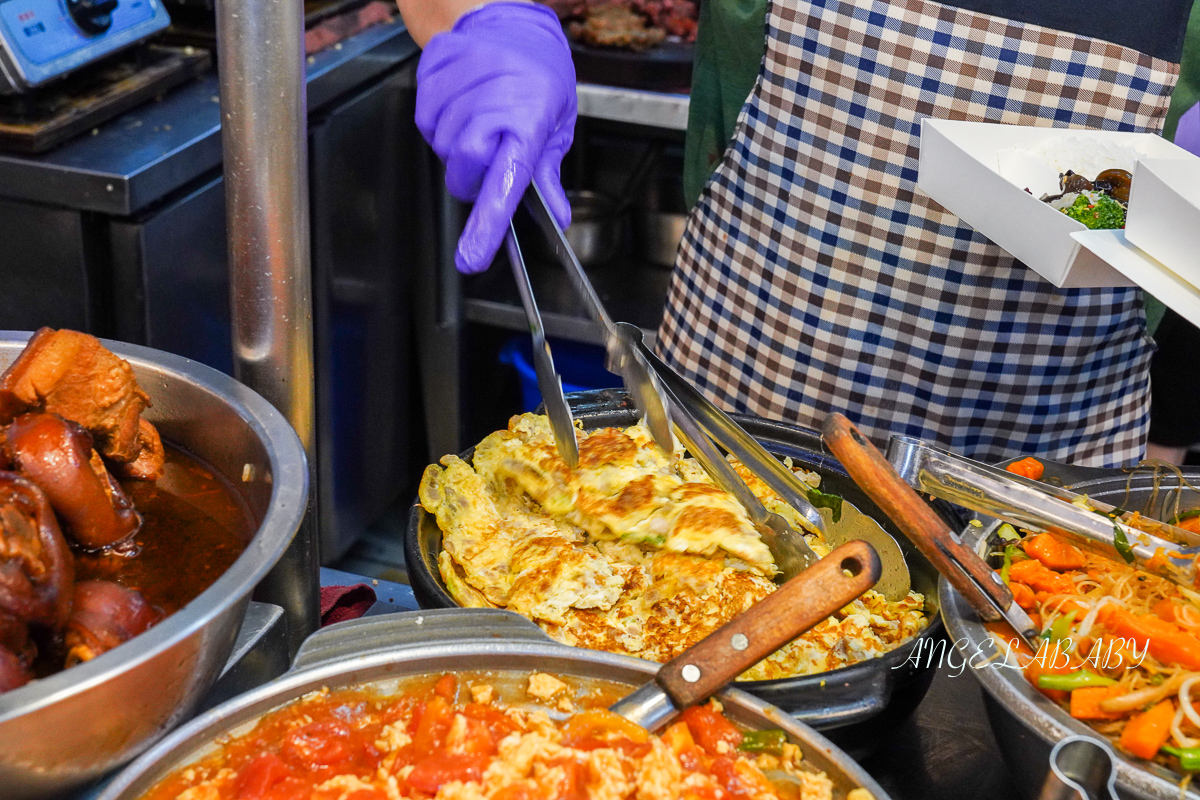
<point>856,706</point>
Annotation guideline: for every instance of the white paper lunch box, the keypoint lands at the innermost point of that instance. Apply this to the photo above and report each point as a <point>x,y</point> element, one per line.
<point>980,170</point>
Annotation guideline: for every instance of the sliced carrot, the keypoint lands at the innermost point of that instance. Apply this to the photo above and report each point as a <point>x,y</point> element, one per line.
<point>1037,576</point>
<point>1146,732</point>
<point>1024,596</point>
<point>1027,468</point>
<point>1167,642</point>
<point>1054,553</point>
<point>1085,702</point>
<point>1165,609</point>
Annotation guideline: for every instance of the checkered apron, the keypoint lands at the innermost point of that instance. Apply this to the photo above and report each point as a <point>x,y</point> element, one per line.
<point>814,276</point>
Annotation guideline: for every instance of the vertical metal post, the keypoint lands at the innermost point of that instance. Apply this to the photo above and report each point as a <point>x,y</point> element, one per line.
<point>260,57</point>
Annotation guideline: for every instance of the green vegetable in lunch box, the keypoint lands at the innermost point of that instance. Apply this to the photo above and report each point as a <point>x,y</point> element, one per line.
<point>1097,211</point>
<point>768,741</point>
<point>1189,757</point>
<point>1072,681</point>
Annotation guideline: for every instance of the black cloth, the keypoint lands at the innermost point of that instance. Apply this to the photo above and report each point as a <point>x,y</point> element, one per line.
<point>1155,27</point>
<point>1175,383</point>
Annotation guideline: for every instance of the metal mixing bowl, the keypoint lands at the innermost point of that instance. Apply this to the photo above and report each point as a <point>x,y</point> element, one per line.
<point>856,706</point>
<point>380,650</point>
<point>64,730</point>
<point>1027,724</point>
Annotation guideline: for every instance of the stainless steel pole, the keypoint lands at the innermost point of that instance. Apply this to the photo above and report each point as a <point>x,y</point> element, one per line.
<point>260,56</point>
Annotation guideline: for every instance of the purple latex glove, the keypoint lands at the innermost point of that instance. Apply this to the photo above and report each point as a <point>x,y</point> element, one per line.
<point>1187,133</point>
<point>496,101</point>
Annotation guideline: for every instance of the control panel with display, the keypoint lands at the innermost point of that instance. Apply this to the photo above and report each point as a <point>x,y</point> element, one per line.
<point>41,40</point>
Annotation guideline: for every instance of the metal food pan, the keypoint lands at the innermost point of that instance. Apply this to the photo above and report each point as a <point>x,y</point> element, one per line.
<point>388,649</point>
<point>1027,724</point>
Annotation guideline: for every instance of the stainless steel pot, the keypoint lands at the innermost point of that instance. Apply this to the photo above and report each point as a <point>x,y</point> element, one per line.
<point>597,227</point>
<point>64,730</point>
<point>856,706</point>
<point>1026,724</point>
<point>380,650</point>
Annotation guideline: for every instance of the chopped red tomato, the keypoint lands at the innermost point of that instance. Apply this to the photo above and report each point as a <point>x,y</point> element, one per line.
<point>710,729</point>
<point>318,744</point>
<point>574,783</point>
<point>477,739</point>
<point>497,721</point>
<point>447,686</point>
<point>627,746</point>
<point>431,772</point>
<point>431,730</point>
<point>724,770</point>
<point>260,775</point>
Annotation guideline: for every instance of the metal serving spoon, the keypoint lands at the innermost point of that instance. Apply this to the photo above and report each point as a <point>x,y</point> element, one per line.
<point>970,574</point>
<point>704,668</point>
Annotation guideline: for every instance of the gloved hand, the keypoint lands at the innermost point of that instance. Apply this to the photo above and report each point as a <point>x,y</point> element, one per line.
<point>496,101</point>
<point>1187,134</point>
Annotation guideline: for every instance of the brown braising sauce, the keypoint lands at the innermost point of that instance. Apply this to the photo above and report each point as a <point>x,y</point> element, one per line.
<point>194,527</point>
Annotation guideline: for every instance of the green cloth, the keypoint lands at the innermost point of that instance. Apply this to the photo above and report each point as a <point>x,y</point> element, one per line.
<point>730,44</point>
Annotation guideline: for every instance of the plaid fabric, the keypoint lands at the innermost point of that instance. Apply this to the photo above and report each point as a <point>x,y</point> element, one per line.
<point>814,276</point>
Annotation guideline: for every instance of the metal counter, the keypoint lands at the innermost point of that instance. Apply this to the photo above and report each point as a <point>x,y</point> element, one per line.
<point>141,156</point>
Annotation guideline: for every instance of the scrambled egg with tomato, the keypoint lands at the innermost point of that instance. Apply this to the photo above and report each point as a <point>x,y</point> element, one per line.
<point>353,744</point>
<point>634,552</point>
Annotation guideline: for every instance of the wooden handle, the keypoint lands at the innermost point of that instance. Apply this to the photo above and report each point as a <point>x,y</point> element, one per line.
<point>923,527</point>
<point>781,616</point>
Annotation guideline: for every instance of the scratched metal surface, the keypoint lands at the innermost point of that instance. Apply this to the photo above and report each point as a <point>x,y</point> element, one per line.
<point>946,750</point>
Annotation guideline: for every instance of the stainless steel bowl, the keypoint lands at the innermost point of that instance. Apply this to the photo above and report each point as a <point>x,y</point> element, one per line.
<point>380,650</point>
<point>1026,724</point>
<point>62,731</point>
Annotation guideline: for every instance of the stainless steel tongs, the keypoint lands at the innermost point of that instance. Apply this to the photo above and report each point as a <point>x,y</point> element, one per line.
<point>1041,507</point>
<point>549,383</point>
<point>662,409</point>
<point>623,357</point>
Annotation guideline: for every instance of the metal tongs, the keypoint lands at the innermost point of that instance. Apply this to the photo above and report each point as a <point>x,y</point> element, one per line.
<point>549,383</point>
<point>668,401</point>
<point>629,358</point>
<point>700,424</point>
<point>623,357</point>
<point>1081,768</point>
<point>966,570</point>
<point>1040,507</point>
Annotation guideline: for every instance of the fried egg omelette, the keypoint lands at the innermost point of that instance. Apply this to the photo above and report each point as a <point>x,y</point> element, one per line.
<point>635,551</point>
